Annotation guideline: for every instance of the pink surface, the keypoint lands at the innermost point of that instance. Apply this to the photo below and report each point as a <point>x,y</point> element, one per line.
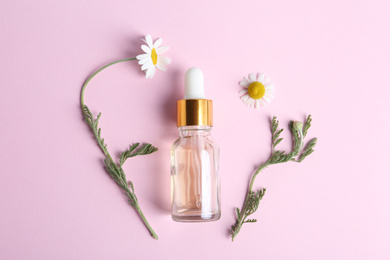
<point>327,58</point>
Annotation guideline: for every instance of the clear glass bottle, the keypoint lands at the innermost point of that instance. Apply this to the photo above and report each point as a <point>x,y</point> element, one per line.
<point>195,180</point>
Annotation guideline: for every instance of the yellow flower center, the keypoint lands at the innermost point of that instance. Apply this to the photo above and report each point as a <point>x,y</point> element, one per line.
<point>154,56</point>
<point>256,90</point>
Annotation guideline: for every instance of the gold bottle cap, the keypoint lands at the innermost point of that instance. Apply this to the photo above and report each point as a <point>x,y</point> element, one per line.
<point>194,112</point>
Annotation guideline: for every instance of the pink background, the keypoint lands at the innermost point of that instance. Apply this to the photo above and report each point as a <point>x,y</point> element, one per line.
<point>327,58</point>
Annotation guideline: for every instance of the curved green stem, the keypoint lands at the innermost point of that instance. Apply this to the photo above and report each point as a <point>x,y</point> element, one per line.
<point>113,169</point>
<point>262,166</point>
<point>243,216</point>
<point>93,75</point>
<point>85,86</point>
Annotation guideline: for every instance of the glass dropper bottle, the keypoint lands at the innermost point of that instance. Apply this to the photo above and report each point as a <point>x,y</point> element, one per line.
<point>195,180</point>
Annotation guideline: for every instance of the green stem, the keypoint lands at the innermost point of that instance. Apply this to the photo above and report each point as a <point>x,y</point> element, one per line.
<point>93,75</point>
<point>140,213</point>
<point>146,222</point>
<point>261,167</point>
<point>85,86</point>
<point>243,216</point>
<point>123,183</point>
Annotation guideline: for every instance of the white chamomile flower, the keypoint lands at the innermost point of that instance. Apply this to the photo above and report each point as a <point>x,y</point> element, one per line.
<point>258,90</point>
<point>152,59</point>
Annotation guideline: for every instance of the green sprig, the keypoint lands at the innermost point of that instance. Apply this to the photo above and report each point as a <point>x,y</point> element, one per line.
<point>133,151</point>
<point>116,171</point>
<point>297,154</point>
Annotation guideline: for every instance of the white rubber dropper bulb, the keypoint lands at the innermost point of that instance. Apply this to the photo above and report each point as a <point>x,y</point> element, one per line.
<point>194,84</point>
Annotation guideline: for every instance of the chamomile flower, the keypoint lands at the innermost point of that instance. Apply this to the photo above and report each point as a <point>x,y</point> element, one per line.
<point>151,59</point>
<point>258,90</point>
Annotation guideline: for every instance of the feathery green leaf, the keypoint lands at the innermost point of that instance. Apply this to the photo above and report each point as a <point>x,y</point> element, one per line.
<point>306,126</point>
<point>133,151</point>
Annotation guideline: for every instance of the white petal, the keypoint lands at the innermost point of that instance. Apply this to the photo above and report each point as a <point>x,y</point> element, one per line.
<point>246,80</point>
<point>267,80</point>
<point>244,83</point>
<point>143,56</point>
<point>269,95</point>
<point>257,104</point>
<point>149,41</point>
<point>147,65</point>
<point>252,77</point>
<point>164,60</point>
<point>251,103</point>
<point>157,43</point>
<point>150,72</point>
<point>262,103</point>
<point>243,91</point>
<point>143,61</point>
<point>269,90</point>
<point>161,66</point>
<point>147,75</point>
<point>245,97</point>
<point>260,78</point>
<point>146,49</point>
<point>162,49</point>
<point>266,99</point>
<point>269,85</point>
